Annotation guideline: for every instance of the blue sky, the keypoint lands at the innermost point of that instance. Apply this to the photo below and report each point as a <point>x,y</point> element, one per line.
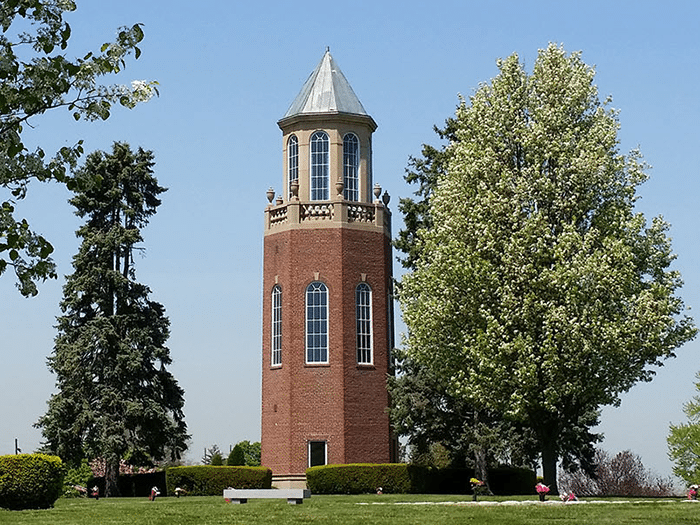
<point>229,70</point>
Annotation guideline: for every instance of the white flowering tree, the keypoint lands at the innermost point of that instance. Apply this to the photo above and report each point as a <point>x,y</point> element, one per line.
<point>36,76</point>
<point>538,291</point>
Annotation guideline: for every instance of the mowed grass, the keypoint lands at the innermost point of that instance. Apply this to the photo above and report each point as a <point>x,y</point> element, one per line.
<point>365,509</point>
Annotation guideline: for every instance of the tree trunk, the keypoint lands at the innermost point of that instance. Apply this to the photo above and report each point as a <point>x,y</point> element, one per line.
<point>482,471</point>
<point>112,477</point>
<point>480,455</point>
<point>549,467</point>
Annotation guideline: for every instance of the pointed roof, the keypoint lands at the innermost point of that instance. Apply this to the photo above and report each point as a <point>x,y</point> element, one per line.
<point>326,91</point>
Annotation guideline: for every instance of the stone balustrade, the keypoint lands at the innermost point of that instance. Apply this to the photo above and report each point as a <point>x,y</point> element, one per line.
<point>315,214</point>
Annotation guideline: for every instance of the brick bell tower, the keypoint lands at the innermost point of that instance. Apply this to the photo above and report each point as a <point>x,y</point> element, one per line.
<point>327,281</point>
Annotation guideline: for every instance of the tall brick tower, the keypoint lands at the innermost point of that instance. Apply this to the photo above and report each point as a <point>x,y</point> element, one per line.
<point>327,302</point>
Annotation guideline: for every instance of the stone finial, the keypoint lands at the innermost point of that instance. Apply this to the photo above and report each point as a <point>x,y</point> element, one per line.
<point>294,188</point>
<point>270,194</point>
<point>386,198</point>
<point>377,190</point>
<point>339,186</point>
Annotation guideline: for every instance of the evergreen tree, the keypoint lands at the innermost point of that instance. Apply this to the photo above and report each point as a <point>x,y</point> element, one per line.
<point>115,398</point>
<point>210,454</point>
<point>539,292</point>
<point>217,460</point>
<point>424,171</point>
<point>236,457</point>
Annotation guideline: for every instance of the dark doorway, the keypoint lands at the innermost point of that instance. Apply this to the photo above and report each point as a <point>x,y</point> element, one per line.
<point>317,453</point>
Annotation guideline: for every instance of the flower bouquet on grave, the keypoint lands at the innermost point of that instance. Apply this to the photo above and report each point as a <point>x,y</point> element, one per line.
<point>478,487</point>
<point>567,496</point>
<point>693,492</point>
<point>542,490</point>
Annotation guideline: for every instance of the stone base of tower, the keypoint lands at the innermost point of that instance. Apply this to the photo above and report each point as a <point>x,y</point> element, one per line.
<point>289,481</point>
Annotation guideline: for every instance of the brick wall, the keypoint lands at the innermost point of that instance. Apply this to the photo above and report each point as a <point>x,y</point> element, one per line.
<point>341,403</point>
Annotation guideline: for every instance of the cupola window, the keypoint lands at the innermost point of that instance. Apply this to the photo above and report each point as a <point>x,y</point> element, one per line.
<point>351,159</point>
<point>292,161</point>
<point>320,163</point>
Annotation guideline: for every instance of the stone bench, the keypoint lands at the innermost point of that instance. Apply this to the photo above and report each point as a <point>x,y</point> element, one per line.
<point>293,496</point>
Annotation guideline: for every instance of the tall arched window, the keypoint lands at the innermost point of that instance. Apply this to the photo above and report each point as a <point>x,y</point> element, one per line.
<point>351,162</point>
<point>276,326</point>
<point>369,183</point>
<point>316,323</point>
<point>292,161</point>
<point>320,163</point>
<point>363,317</point>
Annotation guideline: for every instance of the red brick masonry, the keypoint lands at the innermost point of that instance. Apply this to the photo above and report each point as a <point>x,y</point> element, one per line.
<point>342,403</point>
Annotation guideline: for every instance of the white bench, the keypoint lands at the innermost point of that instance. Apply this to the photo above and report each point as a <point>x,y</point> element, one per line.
<point>293,496</point>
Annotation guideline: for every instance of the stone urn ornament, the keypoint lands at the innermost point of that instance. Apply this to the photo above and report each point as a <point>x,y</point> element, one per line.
<point>339,187</point>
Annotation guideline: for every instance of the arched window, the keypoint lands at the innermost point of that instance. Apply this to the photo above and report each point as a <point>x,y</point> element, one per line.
<point>276,326</point>
<point>292,161</point>
<point>363,317</point>
<point>320,163</point>
<point>351,162</point>
<point>316,323</point>
<point>369,184</point>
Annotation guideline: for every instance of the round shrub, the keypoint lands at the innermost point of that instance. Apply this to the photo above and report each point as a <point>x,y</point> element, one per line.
<point>30,481</point>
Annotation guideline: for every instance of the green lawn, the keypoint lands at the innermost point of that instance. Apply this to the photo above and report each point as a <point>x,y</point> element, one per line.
<point>365,510</point>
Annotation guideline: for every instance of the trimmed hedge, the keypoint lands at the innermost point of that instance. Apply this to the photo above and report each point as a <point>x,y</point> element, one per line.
<point>30,481</point>
<point>207,480</point>
<point>404,478</point>
<point>361,478</point>
<point>134,485</point>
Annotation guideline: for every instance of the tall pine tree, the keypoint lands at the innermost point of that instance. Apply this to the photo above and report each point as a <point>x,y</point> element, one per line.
<point>115,398</point>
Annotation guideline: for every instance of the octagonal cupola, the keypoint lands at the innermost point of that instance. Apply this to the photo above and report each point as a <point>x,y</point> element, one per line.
<point>327,140</point>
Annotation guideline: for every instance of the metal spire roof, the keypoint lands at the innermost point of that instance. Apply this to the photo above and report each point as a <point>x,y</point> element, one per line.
<point>326,91</point>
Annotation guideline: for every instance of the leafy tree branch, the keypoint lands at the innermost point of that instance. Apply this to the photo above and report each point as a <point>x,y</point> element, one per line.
<point>36,76</point>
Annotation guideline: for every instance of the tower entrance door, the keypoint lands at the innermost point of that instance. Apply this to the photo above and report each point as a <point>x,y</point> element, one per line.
<point>317,453</point>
